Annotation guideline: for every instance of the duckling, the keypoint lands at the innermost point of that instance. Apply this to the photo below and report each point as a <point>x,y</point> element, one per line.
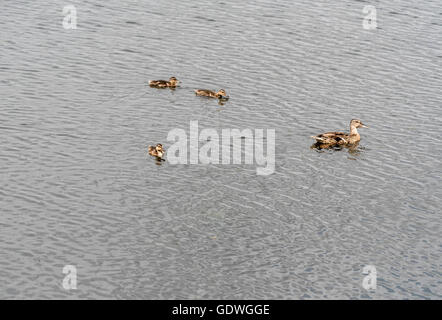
<point>172,83</point>
<point>221,94</point>
<point>330,139</point>
<point>156,151</point>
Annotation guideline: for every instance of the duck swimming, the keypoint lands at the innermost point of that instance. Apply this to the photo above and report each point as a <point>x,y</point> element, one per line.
<point>156,151</point>
<point>221,94</point>
<point>331,139</point>
<point>172,83</point>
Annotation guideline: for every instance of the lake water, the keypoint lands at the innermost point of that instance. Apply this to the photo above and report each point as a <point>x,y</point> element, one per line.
<point>78,188</point>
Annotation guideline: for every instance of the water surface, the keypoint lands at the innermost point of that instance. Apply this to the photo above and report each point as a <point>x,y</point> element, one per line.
<point>77,186</point>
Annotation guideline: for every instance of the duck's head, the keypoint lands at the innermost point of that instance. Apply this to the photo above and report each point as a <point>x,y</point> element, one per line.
<point>159,147</point>
<point>173,81</point>
<point>221,93</point>
<point>356,123</point>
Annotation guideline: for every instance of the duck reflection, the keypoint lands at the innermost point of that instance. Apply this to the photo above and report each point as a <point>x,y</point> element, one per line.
<point>222,102</point>
<point>159,161</point>
<point>353,149</point>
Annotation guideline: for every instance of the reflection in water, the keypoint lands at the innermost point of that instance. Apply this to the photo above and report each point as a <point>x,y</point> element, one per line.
<point>76,186</point>
<point>164,88</point>
<point>222,102</point>
<point>353,149</point>
<point>159,161</point>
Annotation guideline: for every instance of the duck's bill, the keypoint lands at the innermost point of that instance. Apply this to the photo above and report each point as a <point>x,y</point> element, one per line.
<point>364,126</point>
<point>224,97</point>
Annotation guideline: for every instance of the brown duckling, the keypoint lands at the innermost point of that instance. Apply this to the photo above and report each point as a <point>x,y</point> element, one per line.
<point>172,83</point>
<point>221,94</point>
<point>156,151</point>
<point>330,139</point>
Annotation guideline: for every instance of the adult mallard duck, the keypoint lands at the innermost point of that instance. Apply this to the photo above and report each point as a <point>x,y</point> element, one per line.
<point>330,139</point>
<point>221,94</point>
<point>156,151</point>
<point>172,83</point>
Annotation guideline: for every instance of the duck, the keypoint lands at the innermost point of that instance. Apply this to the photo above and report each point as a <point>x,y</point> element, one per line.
<point>156,151</point>
<point>221,94</point>
<point>331,139</point>
<point>172,83</point>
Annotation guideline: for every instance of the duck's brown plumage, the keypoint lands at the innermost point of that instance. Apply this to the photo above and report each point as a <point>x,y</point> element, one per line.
<point>221,94</point>
<point>330,139</point>
<point>172,83</point>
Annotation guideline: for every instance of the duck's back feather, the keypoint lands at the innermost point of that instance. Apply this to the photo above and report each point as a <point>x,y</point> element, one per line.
<point>158,83</point>
<point>203,92</point>
<point>332,138</point>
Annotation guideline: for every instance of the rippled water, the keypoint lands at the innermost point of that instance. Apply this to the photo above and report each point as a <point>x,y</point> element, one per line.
<point>77,186</point>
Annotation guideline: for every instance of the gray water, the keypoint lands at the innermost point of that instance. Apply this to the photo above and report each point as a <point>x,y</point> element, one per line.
<point>78,188</point>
